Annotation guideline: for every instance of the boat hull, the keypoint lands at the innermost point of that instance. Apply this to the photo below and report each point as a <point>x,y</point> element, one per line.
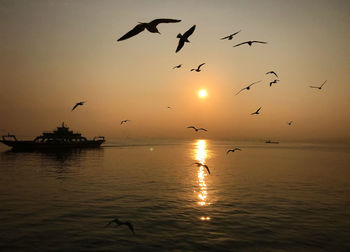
<point>31,145</point>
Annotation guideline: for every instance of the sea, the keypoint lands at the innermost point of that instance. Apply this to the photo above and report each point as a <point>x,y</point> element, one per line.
<point>266,197</point>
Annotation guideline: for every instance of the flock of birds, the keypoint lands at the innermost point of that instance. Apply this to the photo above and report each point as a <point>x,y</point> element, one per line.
<point>184,38</point>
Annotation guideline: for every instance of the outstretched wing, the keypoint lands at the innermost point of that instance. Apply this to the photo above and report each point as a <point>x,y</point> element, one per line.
<point>206,167</point>
<point>272,72</point>
<point>313,87</point>
<point>261,42</point>
<point>191,127</point>
<point>189,32</point>
<point>240,91</point>
<point>76,105</point>
<point>137,29</point>
<point>236,33</point>
<point>180,45</point>
<point>227,152</point>
<point>225,37</point>
<point>258,110</point>
<point>202,129</point>
<point>200,65</point>
<point>237,148</point>
<point>240,44</point>
<point>255,83</point>
<point>130,227</point>
<point>323,83</point>
<point>163,20</point>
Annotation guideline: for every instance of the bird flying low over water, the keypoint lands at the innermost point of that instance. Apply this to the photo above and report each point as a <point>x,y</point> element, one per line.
<point>204,165</point>
<point>320,87</point>
<point>196,129</point>
<point>78,104</point>
<point>119,223</point>
<point>151,27</point>
<point>256,112</point>
<point>248,87</point>
<point>289,123</point>
<point>184,38</point>
<point>124,121</point>
<point>272,72</point>
<point>273,82</point>
<point>198,68</point>
<point>250,43</point>
<point>178,66</point>
<point>232,150</point>
<point>229,37</point>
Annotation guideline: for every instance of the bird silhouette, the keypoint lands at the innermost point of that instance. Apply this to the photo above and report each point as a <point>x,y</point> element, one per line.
<point>78,104</point>
<point>198,68</point>
<point>289,123</point>
<point>273,82</point>
<point>256,112</point>
<point>184,38</point>
<point>272,72</point>
<point>204,165</point>
<point>151,27</point>
<point>119,223</point>
<point>124,121</point>
<point>232,150</point>
<point>250,43</point>
<point>229,37</point>
<point>169,107</point>
<point>320,87</point>
<point>248,87</point>
<point>196,129</point>
<point>178,66</point>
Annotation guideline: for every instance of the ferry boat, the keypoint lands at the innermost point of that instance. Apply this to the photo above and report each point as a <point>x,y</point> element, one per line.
<point>62,138</point>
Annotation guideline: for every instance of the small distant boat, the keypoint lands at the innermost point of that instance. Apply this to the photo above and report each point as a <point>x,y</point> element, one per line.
<point>62,138</point>
<point>271,142</point>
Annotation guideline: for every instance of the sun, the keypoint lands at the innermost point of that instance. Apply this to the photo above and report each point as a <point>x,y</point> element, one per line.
<point>202,93</point>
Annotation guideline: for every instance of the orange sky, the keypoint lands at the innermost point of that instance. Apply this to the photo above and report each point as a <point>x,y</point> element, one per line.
<point>57,53</point>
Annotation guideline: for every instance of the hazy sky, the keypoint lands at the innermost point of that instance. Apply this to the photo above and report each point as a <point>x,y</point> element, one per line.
<point>57,53</point>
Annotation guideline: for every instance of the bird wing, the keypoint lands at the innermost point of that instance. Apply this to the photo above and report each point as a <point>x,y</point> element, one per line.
<point>225,37</point>
<point>237,148</point>
<point>258,110</point>
<point>191,127</point>
<point>180,45</point>
<point>261,42</point>
<point>189,31</point>
<point>254,83</point>
<point>163,20</point>
<point>76,105</point>
<point>240,44</point>
<point>323,83</point>
<point>202,129</point>
<point>240,91</point>
<point>130,227</point>
<point>236,33</point>
<point>200,66</point>
<point>136,30</point>
<point>313,87</point>
<point>272,72</point>
<point>227,152</point>
<point>206,167</point>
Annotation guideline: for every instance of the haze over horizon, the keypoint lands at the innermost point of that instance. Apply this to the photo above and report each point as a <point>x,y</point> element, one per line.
<point>57,53</point>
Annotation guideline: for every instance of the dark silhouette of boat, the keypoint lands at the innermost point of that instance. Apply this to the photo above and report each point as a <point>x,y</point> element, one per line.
<point>62,138</point>
<point>271,142</point>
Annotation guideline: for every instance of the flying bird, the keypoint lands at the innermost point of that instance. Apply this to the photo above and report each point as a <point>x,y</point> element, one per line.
<point>320,87</point>
<point>196,129</point>
<point>124,121</point>
<point>151,27</point>
<point>178,66</point>
<point>78,104</point>
<point>250,43</point>
<point>256,112</point>
<point>273,82</point>
<point>289,123</point>
<point>272,72</point>
<point>184,38</point>
<point>232,150</point>
<point>198,68</point>
<point>204,165</point>
<point>229,37</point>
<point>248,86</point>
<point>119,223</point>
<point>169,107</point>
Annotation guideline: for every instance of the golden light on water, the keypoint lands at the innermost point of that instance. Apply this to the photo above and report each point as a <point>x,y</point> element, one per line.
<point>200,155</point>
<point>202,93</point>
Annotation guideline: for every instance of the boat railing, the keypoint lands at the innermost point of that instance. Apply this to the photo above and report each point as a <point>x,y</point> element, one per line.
<point>8,136</point>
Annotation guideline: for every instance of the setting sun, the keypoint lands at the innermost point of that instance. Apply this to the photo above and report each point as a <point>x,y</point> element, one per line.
<point>202,93</point>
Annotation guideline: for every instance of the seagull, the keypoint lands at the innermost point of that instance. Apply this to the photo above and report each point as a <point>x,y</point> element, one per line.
<point>272,72</point>
<point>119,223</point>
<point>77,104</point>
<point>196,129</point>
<point>151,27</point>
<point>250,43</point>
<point>289,123</point>
<point>272,82</point>
<point>229,37</point>
<point>256,112</point>
<point>184,38</point>
<point>124,121</point>
<point>198,68</point>
<point>233,150</point>
<point>320,87</point>
<point>248,86</point>
<point>204,165</point>
<point>178,66</point>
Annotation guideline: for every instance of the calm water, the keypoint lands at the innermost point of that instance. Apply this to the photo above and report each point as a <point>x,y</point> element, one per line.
<point>286,197</point>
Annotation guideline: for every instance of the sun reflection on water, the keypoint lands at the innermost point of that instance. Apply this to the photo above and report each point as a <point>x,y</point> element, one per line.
<point>200,155</point>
